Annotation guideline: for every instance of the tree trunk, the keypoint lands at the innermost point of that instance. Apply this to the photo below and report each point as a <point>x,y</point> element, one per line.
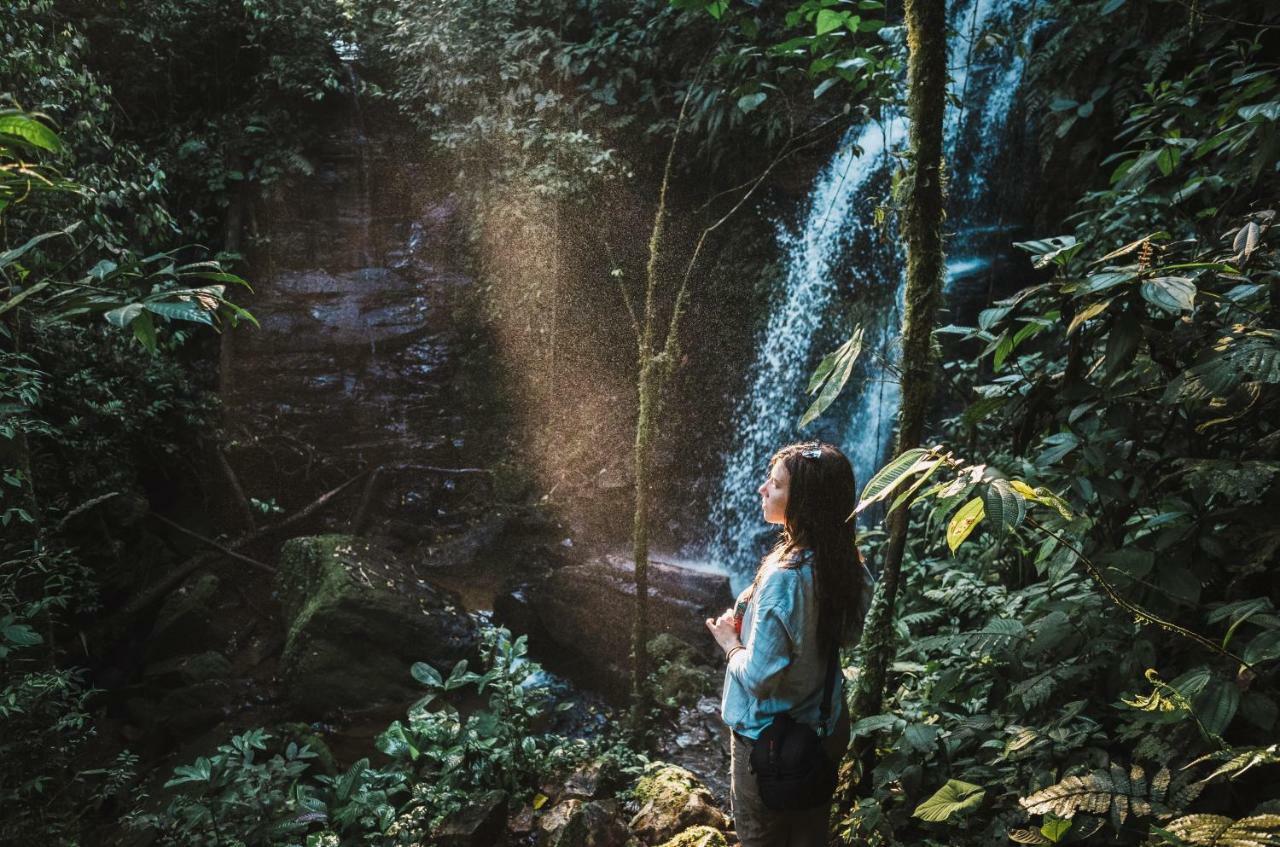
<point>922,230</point>
<point>645,423</point>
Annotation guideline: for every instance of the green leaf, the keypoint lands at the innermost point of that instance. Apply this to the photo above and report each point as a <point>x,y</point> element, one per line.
<point>10,256</point>
<point>1054,827</point>
<point>831,375</point>
<point>1269,111</point>
<point>874,723</point>
<point>880,485</point>
<point>181,310</point>
<point>30,130</point>
<point>1087,313</point>
<point>963,523</point>
<point>144,329</point>
<point>124,315</point>
<point>1003,505</point>
<point>1104,280</point>
<point>956,797</point>
<point>21,634</point>
<point>426,675</point>
<point>1168,159</point>
<point>829,20</point>
<point>1174,294</point>
<point>1216,705</point>
<point>17,299</point>
<point>1263,648</point>
<point>824,86</point>
<point>748,102</point>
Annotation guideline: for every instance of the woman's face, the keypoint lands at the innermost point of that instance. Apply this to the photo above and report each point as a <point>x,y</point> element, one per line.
<point>773,494</point>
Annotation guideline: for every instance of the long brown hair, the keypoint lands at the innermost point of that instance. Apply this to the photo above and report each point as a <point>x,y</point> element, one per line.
<point>821,497</point>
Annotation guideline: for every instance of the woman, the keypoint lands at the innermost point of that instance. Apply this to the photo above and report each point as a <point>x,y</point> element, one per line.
<point>810,592</point>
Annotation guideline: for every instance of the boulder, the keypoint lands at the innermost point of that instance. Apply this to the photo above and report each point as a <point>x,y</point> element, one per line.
<point>482,823</point>
<point>671,801</point>
<point>586,608</point>
<point>188,670</point>
<point>698,836</point>
<point>357,618</point>
<point>187,619</point>
<point>575,823</point>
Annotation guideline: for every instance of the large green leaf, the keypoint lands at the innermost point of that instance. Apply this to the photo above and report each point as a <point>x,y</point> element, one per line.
<point>1171,293</point>
<point>956,797</point>
<point>831,375</point>
<point>30,131</point>
<point>1003,505</point>
<point>887,478</point>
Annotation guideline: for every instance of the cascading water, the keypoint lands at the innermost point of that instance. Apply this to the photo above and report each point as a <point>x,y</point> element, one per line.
<point>836,249</point>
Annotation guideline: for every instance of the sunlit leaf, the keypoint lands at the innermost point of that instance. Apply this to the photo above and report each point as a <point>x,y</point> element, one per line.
<point>956,797</point>
<point>964,522</point>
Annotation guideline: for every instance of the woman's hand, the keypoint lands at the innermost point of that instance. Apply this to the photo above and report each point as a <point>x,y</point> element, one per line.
<point>723,630</point>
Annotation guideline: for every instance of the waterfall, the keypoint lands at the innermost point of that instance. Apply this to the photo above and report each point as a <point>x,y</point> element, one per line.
<point>834,250</point>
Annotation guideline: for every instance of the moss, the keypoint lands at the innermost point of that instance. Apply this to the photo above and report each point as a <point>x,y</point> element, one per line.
<point>356,621</point>
<point>666,785</point>
<point>698,836</point>
<point>668,648</point>
<point>679,679</point>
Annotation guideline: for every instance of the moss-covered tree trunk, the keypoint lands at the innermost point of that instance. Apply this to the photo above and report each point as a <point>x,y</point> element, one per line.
<point>922,231</point>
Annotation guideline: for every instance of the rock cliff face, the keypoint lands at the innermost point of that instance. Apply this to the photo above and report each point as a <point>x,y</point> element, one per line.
<point>357,618</point>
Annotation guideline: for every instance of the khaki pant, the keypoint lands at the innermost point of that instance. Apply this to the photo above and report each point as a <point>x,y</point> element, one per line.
<point>759,826</point>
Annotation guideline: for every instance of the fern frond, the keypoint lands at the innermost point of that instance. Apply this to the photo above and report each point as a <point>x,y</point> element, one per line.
<point>1237,760</point>
<point>1220,831</point>
<point>1113,791</point>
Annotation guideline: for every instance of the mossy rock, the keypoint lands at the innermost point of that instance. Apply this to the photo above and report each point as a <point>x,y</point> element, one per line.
<point>666,784</point>
<point>672,800</point>
<point>187,620</point>
<point>670,648</point>
<point>679,679</point>
<point>698,836</point>
<point>189,670</point>
<point>357,618</point>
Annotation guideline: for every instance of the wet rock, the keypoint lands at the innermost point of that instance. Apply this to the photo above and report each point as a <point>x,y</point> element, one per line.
<point>673,800</point>
<point>586,609</point>
<point>513,609</point>
<point>575,823</point>
<point>584,783</point>
<point>698,836</point>
<point>357,618</point>
<point>483,823</point>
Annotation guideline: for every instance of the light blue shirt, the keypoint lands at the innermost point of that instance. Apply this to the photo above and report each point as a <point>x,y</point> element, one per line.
<point>782,668</point>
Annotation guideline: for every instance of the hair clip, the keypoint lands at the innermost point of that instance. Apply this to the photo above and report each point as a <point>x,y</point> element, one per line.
<point>811,452</point>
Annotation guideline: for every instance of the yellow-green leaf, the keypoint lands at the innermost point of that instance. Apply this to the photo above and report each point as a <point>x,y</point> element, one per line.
<point>963,523</point>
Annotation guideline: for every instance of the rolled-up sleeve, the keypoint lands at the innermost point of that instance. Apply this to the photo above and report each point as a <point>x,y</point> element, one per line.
<point>769,652</point>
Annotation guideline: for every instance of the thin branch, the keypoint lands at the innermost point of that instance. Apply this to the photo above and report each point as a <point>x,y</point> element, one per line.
<point>622,286</point>
<point>1140,614</point>
<point>209,542</point>
<point>200,560</point>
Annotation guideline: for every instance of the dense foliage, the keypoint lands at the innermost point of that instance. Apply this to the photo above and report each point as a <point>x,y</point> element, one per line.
<point>1096,655</point>
<point>91,243</point>
<point>1089,635</point>
<point>258,790</point>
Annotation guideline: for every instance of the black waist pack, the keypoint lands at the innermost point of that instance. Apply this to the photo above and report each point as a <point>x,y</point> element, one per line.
<point>792,769</point>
